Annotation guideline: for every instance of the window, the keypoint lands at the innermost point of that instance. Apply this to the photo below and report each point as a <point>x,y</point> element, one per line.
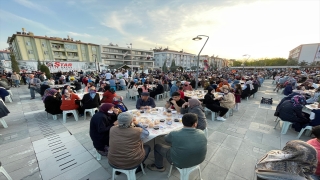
<point>83,47</point>
<point>43,44</point>
<point>71,46</point>
<point>45,52</point>
<point>93,48</point>
<point>28,43</point>
<point>30,51</point>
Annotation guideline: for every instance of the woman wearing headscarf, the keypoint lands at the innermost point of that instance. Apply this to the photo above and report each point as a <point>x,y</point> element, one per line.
<point>296,161</point>
<point>100,125</point>
<point>224,82</point>
<point>291,111</point>
<point>108,95</point>
<point>194,106</point>
<point>212,102</point>
<point>52,101</point>
<point>91,99</point>
<point>228,99</point>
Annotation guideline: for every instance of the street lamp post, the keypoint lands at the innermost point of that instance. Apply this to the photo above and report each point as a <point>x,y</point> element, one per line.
<point>95,62</point>
<point>198,38</point>
<point>131,55</point>
<point>247,58</point>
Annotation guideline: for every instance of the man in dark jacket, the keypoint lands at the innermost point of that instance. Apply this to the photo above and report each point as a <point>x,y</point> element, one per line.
<point>91,99</point>
<point>286,98</point>
<point>159,90</point>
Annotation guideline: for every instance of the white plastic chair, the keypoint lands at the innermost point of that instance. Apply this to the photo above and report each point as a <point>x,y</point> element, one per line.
<point>185,172</point>
<point>54,117</point>
<point>206,132</point>
<point>10,92</point>
<point>285,126</point>
<point>92,112</point>
<point>3,122</point>
<point>97,155</point>
<point>230,111</point>
<point>159,96</point>
<point>9,97</point>
<point>74,112</point>
<point>4,172</point>
<point>308,133</point>
<point>213,114</point>
<point>131,174</point>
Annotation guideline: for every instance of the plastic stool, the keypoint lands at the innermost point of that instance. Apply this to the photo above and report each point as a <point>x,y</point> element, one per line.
<point>229,112</point>
<point>54,117</point>
<point>3,122</point>
<point>159,96</point>
<point>92,112</point>
<point>308,133</point>
<point>213,114</point>
<point>10,92</point>
<point>131,174</point>
<point>74,112</point>
<point>185,172</point>
<point>4,172</point>
<point>285,126</point>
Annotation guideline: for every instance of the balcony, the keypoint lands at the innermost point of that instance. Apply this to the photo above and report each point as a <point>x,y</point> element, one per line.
<point>57,49</point>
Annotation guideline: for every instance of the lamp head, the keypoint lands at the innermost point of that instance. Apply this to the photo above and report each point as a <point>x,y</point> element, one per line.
<point>197,38</point>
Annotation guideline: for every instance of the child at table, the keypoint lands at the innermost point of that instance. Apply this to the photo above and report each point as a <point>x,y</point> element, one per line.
<point>237,95</point>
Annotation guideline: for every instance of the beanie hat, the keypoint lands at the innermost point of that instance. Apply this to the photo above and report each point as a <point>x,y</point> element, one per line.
<point>124,119</point>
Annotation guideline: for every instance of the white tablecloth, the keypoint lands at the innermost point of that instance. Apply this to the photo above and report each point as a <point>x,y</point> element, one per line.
<point>164,128</point>
<point>310,107</point>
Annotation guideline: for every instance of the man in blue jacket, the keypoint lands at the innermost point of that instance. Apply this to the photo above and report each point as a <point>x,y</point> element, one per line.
<point>175,88</point>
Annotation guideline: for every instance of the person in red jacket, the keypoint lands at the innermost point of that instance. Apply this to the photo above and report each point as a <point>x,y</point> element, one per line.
<point>85,81</point>
<point>69,102</point>
<point>108,95</point>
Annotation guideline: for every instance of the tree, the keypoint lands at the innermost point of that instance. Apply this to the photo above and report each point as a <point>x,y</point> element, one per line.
<point>164,66</point>
<point>45,69</point>
<point>303,63</point>
<point>173,66</point>
<point>39,64</point>
<point>14,64</point>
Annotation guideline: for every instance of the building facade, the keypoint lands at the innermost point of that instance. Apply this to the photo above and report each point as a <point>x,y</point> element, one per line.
<point>113,55</point>
<point>183,59</point>
<point>306,52</point>
<point>28,47</point>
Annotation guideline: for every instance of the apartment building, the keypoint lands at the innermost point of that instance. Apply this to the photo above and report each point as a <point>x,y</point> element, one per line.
<point>181,58</point>
<point>28,47</point>
<point>114,56</point>
<point>306,52</point>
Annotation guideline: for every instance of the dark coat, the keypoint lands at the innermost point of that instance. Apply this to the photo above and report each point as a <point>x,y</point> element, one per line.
<point>89,103</point>
<point>100,125</point>
<point>287,90</point>
<point>158,90</point>
<point>3,110</point>
<point>245,93</point>
<point>52,105</point>
<point>3,94</point>
<point>316,120</point>
<point>208,100</point>
<point>43,87</point>
<point>77,86</point>
<point>286,98</point>
<point>290,113</point>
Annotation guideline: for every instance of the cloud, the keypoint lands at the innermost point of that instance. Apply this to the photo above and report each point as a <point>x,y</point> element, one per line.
<point>35,6</point>
<point>79,34</point>
<point>7,16</point>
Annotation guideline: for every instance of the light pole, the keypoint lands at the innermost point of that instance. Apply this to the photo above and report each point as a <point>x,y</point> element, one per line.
<point>247,56</point>
<point>95,62</point>
<point>198,38</point>
<point>131,55</point>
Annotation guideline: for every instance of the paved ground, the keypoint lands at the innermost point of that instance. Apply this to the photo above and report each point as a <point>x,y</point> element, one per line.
<point>34,147</point>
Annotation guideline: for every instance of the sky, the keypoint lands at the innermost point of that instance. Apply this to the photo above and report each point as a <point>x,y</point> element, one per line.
<point>259,28</point>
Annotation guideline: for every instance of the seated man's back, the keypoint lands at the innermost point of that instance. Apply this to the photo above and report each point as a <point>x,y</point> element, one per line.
<point>188,147</point>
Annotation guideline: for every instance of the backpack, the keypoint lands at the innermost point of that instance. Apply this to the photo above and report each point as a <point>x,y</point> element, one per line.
<point>266,101</point>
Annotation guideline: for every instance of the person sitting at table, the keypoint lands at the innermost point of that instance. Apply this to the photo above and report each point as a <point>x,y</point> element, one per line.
<point>3,93</point>
<point>69,102</point>
<point>175,88</point>
<point>315,142</point>
<point>188,146</point>
<point>44,85</point>
<point>246,89</point>
<point>132,83</point>
<point>127,150</point>
<point>108,95</point>
<point>175,102</point>
<point>228,99</point>
<point>89,85</point>
<point>315,97</point>
<point>77,85</point>
<point>112,83</point>
<point>291,111</point>
<point>101,88</point>
<point>100,125</point>
<point>145,87</point>
<point>224,82</point>
<point>68,88</point>
<point>213,103</point>
<point>181,92</point>
<point>122,83</point>
<point>52,101</point>
<point>187,86</point>
<point>194,106</point>
<point>288,89</point>
<point>297,160</point>
<point>145,102</point>
<point>159,89</point>
<point>51,81</point>
<point>91,99</point>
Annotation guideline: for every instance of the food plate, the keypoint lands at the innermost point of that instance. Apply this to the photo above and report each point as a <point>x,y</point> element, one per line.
<point>154,112</point>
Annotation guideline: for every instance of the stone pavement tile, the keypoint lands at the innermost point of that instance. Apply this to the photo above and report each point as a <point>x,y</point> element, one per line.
<point>41,136</point>
<point>28,172</point>
<point>211,150</point>
<point>47,130</point>
<point>23,153</point>
<point>232,176</point>
<point>215,172</point>
<point>232,142</point>
<point>271,140</point>
<point>223,157</point>
<point>16,165</point>
<point>230,129</point>
<point>244,165</point>
<point>194,175</point>
<point>14,136</point>
<point>16,150</point>
<point>217,137</point>
<point>15,143</point>
<point>256,150</point>
<point>84,169</point>
<point>254,136</point>
<point>243,123</point>
<point>99,174</point>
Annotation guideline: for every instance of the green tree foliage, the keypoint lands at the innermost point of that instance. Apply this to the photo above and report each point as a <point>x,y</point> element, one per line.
<point>303,63</point>
<point>14,64</point>
<point>173,66</point>
<point>39,64</point>
<point>45,69</point>
<point>266,62</point>
<point>164,66</point>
